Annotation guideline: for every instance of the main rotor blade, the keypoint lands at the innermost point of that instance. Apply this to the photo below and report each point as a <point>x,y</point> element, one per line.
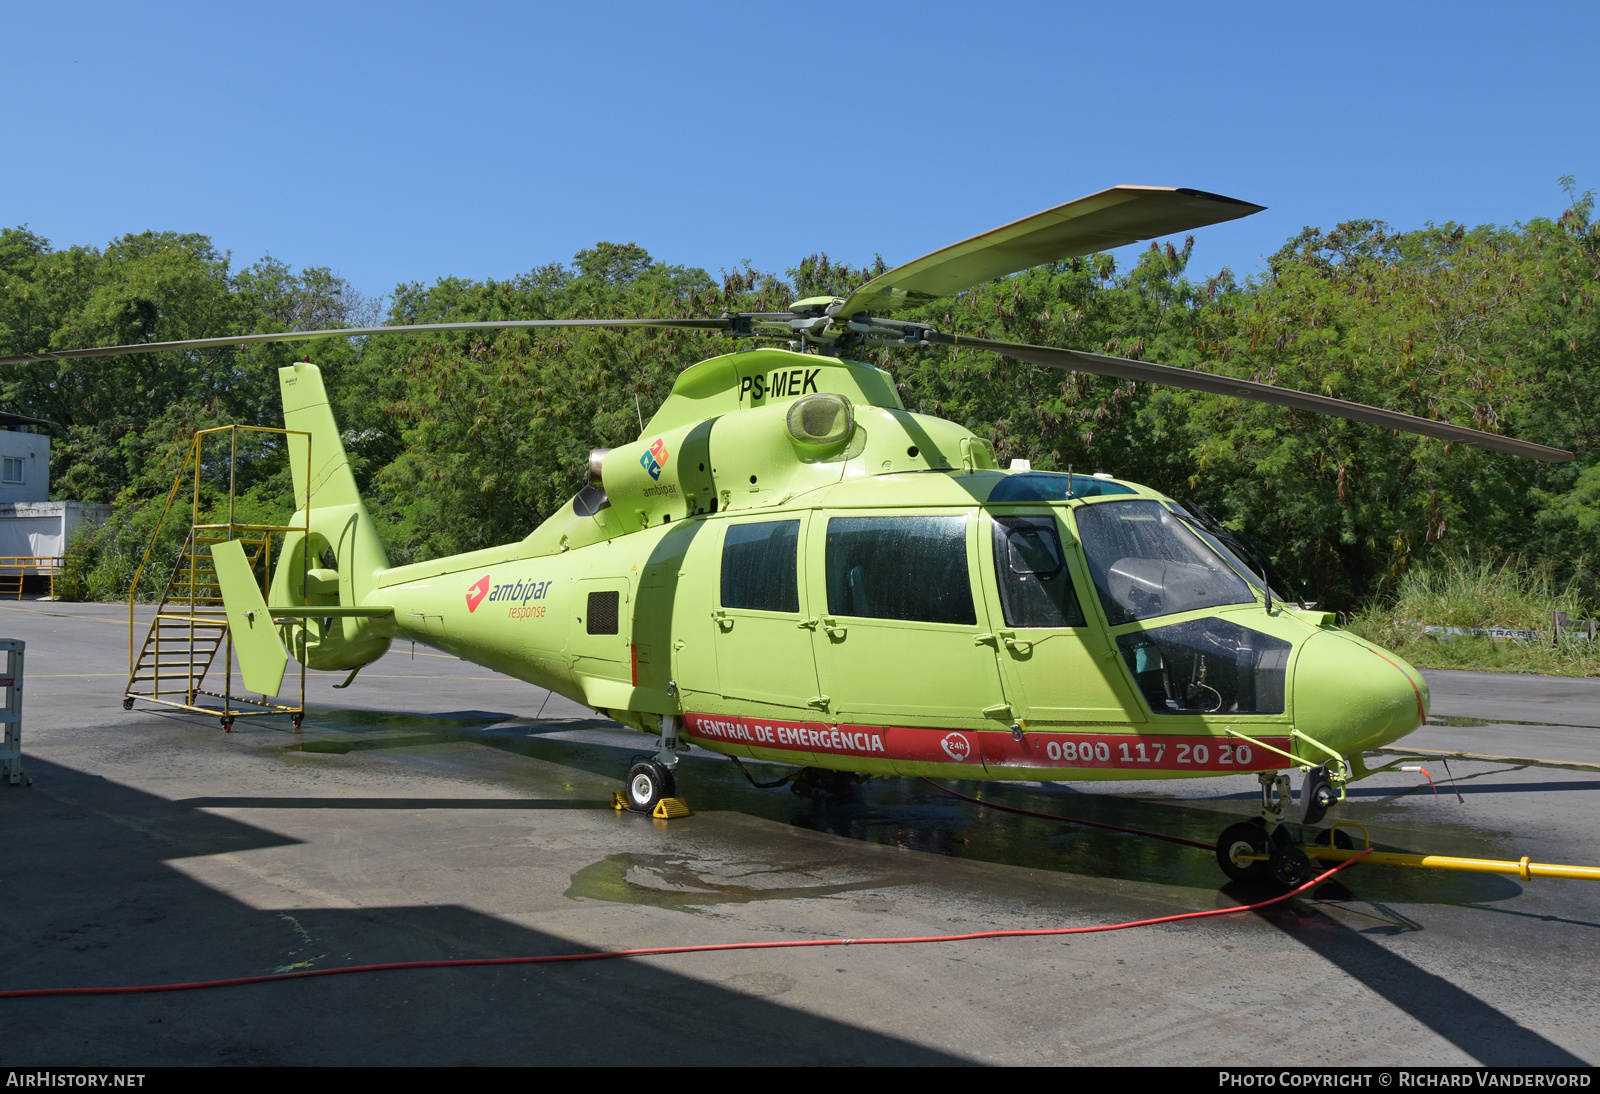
<point>352,332</point>
<point>1111,218</point>
<point>1126,369</point>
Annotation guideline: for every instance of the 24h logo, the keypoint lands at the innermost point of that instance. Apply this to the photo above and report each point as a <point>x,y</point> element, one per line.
<point>957,747</point>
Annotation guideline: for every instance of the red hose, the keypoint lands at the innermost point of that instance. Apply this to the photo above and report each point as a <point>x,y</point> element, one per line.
<point>660,950</point>
<point>1072,820</point>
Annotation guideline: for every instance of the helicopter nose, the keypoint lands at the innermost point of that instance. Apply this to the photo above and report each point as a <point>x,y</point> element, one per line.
<point>1351,695</point>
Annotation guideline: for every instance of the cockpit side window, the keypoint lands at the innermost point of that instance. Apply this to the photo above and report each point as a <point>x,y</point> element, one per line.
<point>1146,562</point>
<point>908,568</point>
<point>760,566</point>
<point>1031,568</point>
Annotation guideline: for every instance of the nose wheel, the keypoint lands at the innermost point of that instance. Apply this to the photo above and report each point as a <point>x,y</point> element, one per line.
<point>1316,795</point>
<point>1243,851</point>
<point>1247,852</point>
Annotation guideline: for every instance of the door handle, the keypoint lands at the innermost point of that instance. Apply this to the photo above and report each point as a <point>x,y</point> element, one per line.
<point>819,701</point>
<point>809,624</point>
<point>833,629</point>
<point>721,619</point>
<point>980,639</point>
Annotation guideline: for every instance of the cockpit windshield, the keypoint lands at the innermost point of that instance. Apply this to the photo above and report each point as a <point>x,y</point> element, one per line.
<point>1052,486</point>
<point>1146,562</point>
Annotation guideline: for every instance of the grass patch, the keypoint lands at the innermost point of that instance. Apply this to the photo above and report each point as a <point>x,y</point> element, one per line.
<point>1469,592</point>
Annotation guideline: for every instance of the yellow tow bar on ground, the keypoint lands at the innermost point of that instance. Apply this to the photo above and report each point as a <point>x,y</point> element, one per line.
<point>1524,869</point>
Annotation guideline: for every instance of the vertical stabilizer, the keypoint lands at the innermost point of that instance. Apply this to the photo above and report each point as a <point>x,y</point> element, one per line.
<point>305,407</point>
<point>336,566</point>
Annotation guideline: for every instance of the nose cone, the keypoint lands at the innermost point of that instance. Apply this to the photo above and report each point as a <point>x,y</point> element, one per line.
<point>1350,695</point>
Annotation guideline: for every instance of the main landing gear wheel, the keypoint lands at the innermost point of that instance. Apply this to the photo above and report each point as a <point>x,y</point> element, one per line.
<point>1244,839</point>
<point>648,783</point>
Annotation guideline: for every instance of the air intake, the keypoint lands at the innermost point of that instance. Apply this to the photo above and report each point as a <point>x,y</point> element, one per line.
<point>821,419</point>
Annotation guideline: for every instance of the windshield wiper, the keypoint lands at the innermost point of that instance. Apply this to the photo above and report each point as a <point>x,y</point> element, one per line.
<point>1241,545</point>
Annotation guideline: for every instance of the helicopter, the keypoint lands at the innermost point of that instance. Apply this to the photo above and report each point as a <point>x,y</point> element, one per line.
<point>787,565</point>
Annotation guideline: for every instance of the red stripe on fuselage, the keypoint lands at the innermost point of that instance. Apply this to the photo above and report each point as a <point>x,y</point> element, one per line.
<point>989,748</point>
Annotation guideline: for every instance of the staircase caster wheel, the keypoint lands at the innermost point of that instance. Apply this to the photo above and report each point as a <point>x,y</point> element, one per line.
<point>648,783</point>
<point>227,724</point>
<point>297,719</point>
<point>1341,840</point>
<point>127,704</point>
<point>1246,838</point>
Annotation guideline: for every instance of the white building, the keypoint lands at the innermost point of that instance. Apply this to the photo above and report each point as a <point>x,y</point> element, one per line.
<point>30,524</point>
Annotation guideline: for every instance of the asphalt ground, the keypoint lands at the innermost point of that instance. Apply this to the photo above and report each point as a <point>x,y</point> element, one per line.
<point>437,810</point>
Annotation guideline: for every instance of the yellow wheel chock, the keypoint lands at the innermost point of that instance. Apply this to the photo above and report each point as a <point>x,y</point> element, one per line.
<point>666,808</point>
<point>670,809</point>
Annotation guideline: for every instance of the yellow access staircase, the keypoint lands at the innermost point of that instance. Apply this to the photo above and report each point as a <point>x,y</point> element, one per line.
<point>190,625</point>
<point>179,656</point>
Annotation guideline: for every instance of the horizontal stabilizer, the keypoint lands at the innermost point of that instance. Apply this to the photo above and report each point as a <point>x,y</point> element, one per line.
<point>262,657</point>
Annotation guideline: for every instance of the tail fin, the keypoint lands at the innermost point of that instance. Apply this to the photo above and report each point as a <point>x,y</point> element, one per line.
<point>337,566</point>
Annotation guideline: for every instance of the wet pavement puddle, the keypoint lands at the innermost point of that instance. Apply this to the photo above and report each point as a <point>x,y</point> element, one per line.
<point>684,884</point>
<point>908,814</point>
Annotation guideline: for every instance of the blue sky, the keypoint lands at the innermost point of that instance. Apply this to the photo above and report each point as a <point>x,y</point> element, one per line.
<point>397,142</point>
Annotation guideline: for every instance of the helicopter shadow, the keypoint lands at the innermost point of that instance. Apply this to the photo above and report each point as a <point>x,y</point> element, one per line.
<point>1454,1014</point>
<point>910,814</point>
<point>104,906</point>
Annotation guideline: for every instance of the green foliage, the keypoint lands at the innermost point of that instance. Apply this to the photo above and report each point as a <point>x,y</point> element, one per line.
<point>1476,592</point>
<point>123,424</point>
<point>464,441</point>
<point>1493,328</point>
<point>496,428</point>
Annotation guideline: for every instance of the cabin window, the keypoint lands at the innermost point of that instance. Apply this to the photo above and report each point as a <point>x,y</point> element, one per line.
<point>12,470</point>
<point>760,566</point>
<point>1146,562</point>
<point>601,618</point>
<point>907,568</point>
<point>1035,587</point>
